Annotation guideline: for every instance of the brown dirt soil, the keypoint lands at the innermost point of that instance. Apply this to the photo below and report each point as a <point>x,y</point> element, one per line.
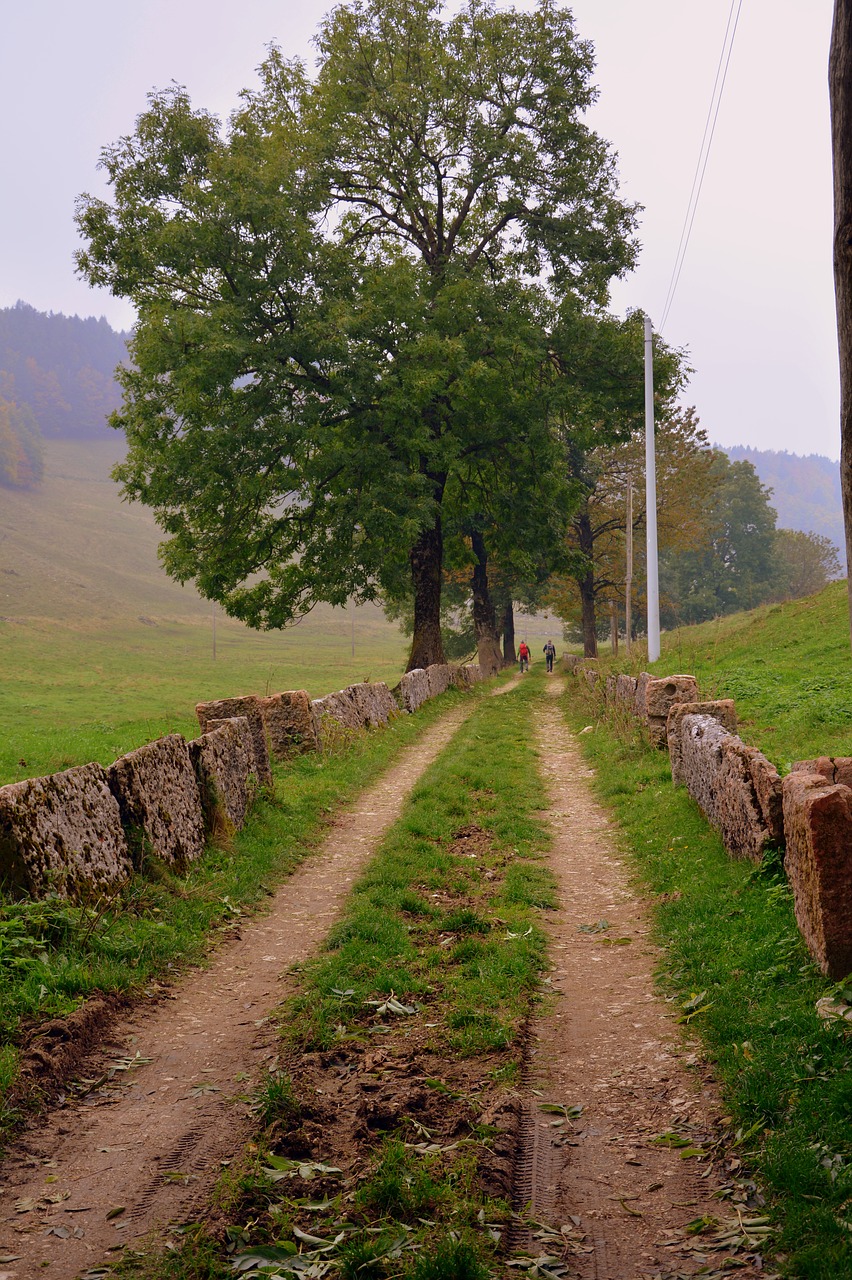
<point>168,1106</point>
<point>605,1196</point>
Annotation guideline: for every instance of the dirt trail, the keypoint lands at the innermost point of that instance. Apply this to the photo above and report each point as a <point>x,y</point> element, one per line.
<point>609,1045</point>
<point>152,1142</point>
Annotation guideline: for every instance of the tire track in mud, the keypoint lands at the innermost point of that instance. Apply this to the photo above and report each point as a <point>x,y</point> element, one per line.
<point>615,1202</point>
<point>107,1170</point>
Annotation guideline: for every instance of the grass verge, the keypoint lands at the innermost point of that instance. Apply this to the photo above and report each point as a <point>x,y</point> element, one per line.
<point>389,1121</point>
<point>733,952</point>
<point>53,955</point>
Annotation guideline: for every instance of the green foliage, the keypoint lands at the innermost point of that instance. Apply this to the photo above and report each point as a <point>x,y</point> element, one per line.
<point>805,490</point>
<point>451,1260</point>
<point>734,565</point>
<point>806,562</point>
<point>347,299</point>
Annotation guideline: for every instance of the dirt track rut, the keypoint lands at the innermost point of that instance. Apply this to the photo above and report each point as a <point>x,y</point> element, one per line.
<point>152,1145</point>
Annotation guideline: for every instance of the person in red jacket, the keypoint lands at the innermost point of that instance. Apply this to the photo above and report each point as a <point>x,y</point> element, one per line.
<point>524,655</point>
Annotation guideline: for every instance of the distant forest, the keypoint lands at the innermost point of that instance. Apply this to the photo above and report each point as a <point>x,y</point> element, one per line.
<point>805,490</point>
<point>56,383</point>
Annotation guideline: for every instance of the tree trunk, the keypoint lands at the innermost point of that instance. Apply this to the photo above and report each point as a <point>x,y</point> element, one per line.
<point>426,559</point>
<point>586,583</point>
<point>840,96</point>
<point>510,656</point>
<point>484,616</point>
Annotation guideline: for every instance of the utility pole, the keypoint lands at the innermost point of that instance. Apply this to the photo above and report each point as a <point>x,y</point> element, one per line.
<point>213,620</point>
<point>628,580</point>
<point>651,500</point>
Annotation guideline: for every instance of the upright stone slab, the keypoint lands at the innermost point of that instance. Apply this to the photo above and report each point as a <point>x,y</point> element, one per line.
<point>571,661</point>
<point>660,697</point>
<point>250,707</point>
<point>610,690</point>
<point>440,677</point>
<point>734,785</point>
<point>413,689</point>
<point>223,759</point>
<point>639,706</point>
<point>157,793</point>
<point>721,709</point>
<point>818,826</point>
<point>62,834</point>
<point>625,692</point>
<point>376,704</point>
<point>468,675</point>
<point>289,722</point>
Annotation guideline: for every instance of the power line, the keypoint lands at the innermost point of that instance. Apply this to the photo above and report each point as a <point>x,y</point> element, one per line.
<point>703,153</point>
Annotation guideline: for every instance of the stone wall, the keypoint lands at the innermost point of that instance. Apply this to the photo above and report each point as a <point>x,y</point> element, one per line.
<point>818,825</point>
<point>659,698</point>
<point>84,831</point>
<point>62,834</point>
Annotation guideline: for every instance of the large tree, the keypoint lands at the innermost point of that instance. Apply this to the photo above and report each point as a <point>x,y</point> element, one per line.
<point>840,94</point>
<point>345,297</point>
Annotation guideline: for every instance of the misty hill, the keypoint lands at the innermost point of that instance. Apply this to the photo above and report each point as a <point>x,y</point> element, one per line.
<point>805,490</point>
<point>60,370</point>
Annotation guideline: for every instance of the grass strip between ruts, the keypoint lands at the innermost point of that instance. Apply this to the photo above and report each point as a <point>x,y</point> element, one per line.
<point>421,995</point>
<point>730,938</point>
<point>54,954</point>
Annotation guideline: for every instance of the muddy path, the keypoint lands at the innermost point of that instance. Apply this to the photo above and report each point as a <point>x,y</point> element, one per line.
<point>618,1201</point>
<point>145,1146</point>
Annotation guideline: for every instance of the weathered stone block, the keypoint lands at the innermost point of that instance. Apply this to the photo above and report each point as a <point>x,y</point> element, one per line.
<point>223,759</point>
<point>591,674</point>
<point>832,768</point>
<point>721,709</point>
<point>625,691</point>
<point>660,697</point>
<point>157,793</point>
<point>336,717</point>
<point>571,661</point>
<point>639,706</point>
<point>440,677</point>
<point>469,674</point>
<point>62,834</point>
<point>250,707</point>
<point>289,722</point>
<point>722,775</point>
<point>413,689</point>
<point>376,704</point>
<point>818,825</point>
<point>609,692</point>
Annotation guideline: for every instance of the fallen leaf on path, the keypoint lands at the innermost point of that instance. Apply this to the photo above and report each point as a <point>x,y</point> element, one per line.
<point>116,1212</point>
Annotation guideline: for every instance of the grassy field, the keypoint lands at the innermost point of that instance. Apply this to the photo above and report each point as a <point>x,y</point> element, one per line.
<point>100,651</point>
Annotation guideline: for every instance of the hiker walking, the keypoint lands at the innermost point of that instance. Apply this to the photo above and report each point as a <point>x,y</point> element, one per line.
<point>549,654</point>
<point>524,656</point>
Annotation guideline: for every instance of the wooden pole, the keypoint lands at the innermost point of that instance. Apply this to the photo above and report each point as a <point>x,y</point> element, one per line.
<point>613,626</point>
<point>840,98</point>
<point>628,582</point>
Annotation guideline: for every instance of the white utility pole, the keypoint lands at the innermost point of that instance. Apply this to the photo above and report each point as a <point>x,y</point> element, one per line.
<point>651,500</point>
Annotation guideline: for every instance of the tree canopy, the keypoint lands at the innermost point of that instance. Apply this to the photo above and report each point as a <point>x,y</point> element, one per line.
<point>348,299</point>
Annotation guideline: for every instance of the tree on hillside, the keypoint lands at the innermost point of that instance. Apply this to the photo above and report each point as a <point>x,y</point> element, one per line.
<point>597,534</point>
<point>805,563</point>
<point>346,297</point>
<point>840,96</point>
<point>733,567</point>
<point>21,450</point>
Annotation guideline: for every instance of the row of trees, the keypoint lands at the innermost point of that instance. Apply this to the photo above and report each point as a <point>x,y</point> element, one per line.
<point>21,450</point>
<point>373,358</point>
<point>372,347</point>
<point>720,550</point>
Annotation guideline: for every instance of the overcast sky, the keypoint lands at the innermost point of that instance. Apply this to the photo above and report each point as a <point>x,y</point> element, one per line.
<point>755,302</point>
